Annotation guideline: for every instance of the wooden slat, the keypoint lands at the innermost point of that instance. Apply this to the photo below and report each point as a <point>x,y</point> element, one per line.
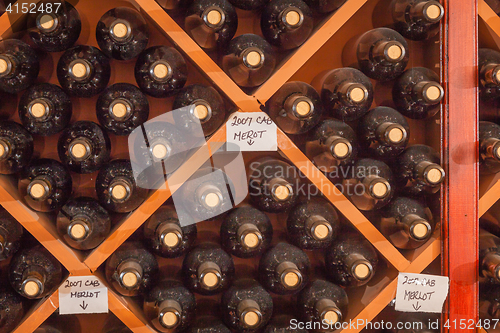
<point>129,313</point>
<point>489,198</point>
<point>491,19</point>
<point>38,314</point>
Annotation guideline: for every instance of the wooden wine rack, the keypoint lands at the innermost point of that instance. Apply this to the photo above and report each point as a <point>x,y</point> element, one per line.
<point>450,134</point>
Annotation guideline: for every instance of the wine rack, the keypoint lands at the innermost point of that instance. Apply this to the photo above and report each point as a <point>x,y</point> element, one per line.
<point>447,133</point>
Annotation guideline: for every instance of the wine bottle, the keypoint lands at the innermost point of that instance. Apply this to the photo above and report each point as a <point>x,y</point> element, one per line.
<point>417,170</point>
<point>83,223</point>
<point>60,324</point>
<point>284,324</point>
<point>489,147</point>
<point>169,306</point>
<point>273,185</point>
<point>19,66</point>
<point>351,261</point>
<point>121,108</point>
<point>322,302</point>
<point>246,232</point>
<point>165,236</point>
<point>11,232</point>
<point>161,71</point>
<point>122,33</point>
<point>45,109</point>
<point>324,6</point>
<point>34,273</point>
<point>286,23</point>
<point>417,19</point>
<point>208,324</point>
<point>11,309</point>
<point>406,223</point>
<point>249,60</point>
<point>84,147</point>
<point>207,269</point>
<point>296,107</point>
<point>131,269</point>
<point>382,54</point>
<point>114,325</point>
<point>57,28</point>
<point>45,185</point>
<point>211,23</point>
<point>417,93</point>
<point>16,147</point>
<point>284,269</point>
<point>206,107</point>
<point>489,256</point>
<point>313,224</point>
<point>370,185</point>
<point>489,75</point>
<point>246,306</point>
<point>332,144</point>
<point>347,93</point>
<point>249,4</point>
<point>383,132</point>
<point>489,300</point>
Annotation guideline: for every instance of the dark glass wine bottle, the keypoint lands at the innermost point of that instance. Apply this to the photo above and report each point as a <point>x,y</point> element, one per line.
<point>284,269</point>
<point>489,75</point>
<point>83,223</point>
<point>161,71</point>
<point>417,170</point>
<point>131,269</point>
<point>45,109</point>
<point>382,54</point>
<point>11,309</point>
<point>347,93</point>
<point>313,224</point>
<point>286,23</point>
<point>206,107</point>
<point>249,60</point>
<point>324,6</point>
<point>383,132</point>
<point>246,306</point>
<point>284,324</point>
<point>489,256</point>
<point>45,185</point>
<point>249,4</point>
<point>16,147</point>
<point>19,66</point>
<point>211,23</point>
<point>323,302</point>
<point>273,185</point>
<point>406,223</point>
<point>331,144</point>
<point>246,232</point>
<point>165,236</point>
<point>34,272</point>
<point>489,147</point>
<point>370,185</point>
<point>169,306</point>
<point>207,269</point>
<point>417,93</point>
<point>208,324</point>
<point>122,33</point>
<point>121,108</point>
<point>11,232</point>
<point>296,107</point>
<point>55,29</point>
<point>84,147</point>
<point>417,19</point>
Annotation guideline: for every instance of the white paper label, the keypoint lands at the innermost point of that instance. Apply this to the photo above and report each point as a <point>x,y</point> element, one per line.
<point>251,131</point>
<point>421,292</point>
<point>83,294</point>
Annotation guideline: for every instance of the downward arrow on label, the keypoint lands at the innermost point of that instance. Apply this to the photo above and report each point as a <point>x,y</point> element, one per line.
<point>251,142</point>
<point>84,306</point>
<point>416,307</point>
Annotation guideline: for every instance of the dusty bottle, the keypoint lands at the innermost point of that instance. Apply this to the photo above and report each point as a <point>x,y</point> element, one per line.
<point>131,269</point>
<point>45,109</point>
<point>169,306</point>
<point>34,273</point>
<point>45,185</point>
<point>19,66</point>
<point>417,93</point>
<point>208,324</point>
<point>211,23</point>
<point>84,147</point>
<point>249,4</point>
<point>489,74</point>
<point>11,309</point>
<point>489,256</point>
<point>417,19</point>
<point>296,107</point>
<point>83,223</point>
<point>11,233</point>
<point>207,269</point>
<point>324,6</point>
<point>489,147</point>
<point>246,306</point>
<point>16,147</point>
<point>83,71</point>
<point>246,232</point>
<point>122,33</point>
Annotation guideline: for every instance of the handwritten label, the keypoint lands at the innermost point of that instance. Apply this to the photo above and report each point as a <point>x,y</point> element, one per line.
<point>251,131</point>
<point>421,292</point>
<point>83,294</point>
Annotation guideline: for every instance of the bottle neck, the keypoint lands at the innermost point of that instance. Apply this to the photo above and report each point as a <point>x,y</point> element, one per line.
<point>391,134</point>
<point>388,52</point>
<point>338,147</point>
<point>121,109</point>
<point>377,187</point>
<point>249,236</point>
<point>353,93</point>
<point>249,313</point>
<point>209,275</point>
<point>490,149</point>
<point>214,17</point>
<point>289,275</point>
<point>79,228</point>
<point>253,57</point>
<point>318,228</point>
<point>40,109</point>
<point>209,196</point>
<point>490,266</point>
<point>130,274</point>
<point>40,188</point>
<point>429,92</point>
<point>120,190</point>
<point>417,228</point>
<point>80,70</point>
<point>201,111</point>
<point>169,234</point>
<point>48,23</point>
<point>120,31</point>
<point>280,189</point>
<point>160,149</point>
<point>299,107</point>
<point>430,173</point>
<point>80,149</point>
<point>490,73</point>
<point>291,18</point>
<point>358,267</point>
<point>161,71</point>
<point>428,11</point>
<point>8,65</point>
<point>5,148</point>
<point>169,313</point>
<point>34,278</point>
<point>327,311</point>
